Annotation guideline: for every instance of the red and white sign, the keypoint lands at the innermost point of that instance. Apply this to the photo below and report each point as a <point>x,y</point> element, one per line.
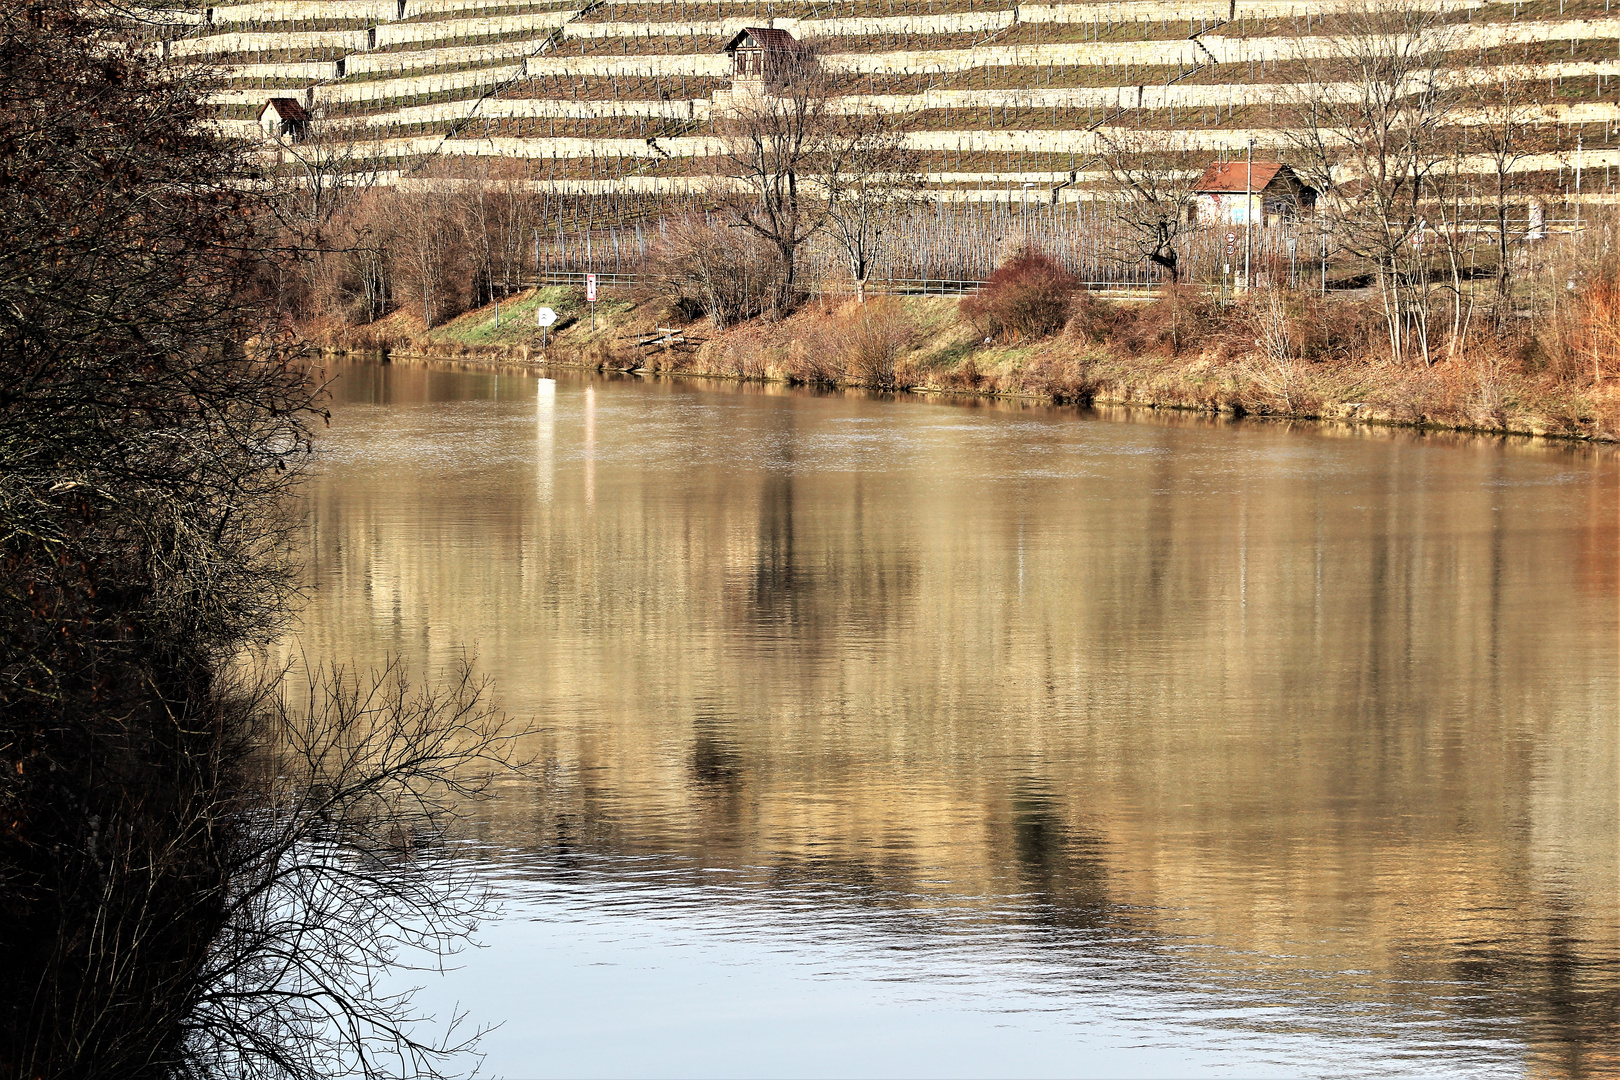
<point>590,288</point>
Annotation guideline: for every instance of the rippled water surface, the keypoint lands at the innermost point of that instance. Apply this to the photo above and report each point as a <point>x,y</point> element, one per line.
<point>905,738</point>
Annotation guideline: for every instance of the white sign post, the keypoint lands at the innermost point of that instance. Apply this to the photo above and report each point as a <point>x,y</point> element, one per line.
<point>545,317</point>
<point>590,298</point>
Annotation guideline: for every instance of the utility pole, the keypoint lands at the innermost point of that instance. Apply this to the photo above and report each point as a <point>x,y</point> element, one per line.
<point>1248,216</point>
<point>1577,185</point>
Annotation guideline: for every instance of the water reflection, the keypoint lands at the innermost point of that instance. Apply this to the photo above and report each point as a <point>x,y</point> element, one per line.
<point>1323,720</point>
<point>545,437</point>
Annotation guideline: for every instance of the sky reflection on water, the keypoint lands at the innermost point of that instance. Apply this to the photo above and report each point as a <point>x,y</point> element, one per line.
<point>622,970</point>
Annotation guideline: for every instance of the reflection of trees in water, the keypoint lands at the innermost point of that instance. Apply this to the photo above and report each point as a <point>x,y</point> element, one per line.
<point>1058,858</point>
<point>812,584</point>
<point>1556,977</point>
<point>240,897</point>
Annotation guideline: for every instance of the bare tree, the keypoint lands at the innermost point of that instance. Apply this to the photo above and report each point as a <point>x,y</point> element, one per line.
<point>1372,129</point>
<point>332,163</point>
<point>1509,106</point>
<point>780,151</point>
<point>881,180</point>
<point>426,220</point>
<point>1152,189</point>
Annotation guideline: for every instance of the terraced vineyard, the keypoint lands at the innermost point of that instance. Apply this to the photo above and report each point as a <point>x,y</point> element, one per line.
<point>405,79</point>
<point>1005,103</point>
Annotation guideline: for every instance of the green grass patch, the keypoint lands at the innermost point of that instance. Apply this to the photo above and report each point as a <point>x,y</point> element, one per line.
<point>517,324</point>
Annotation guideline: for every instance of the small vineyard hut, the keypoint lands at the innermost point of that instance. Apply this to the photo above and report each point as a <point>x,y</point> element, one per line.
<point>284,118</point>
<point>1228,195</point>
<point>759,54</point>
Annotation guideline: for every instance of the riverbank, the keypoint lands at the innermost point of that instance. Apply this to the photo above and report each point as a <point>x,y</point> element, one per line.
<point>1162,356</point>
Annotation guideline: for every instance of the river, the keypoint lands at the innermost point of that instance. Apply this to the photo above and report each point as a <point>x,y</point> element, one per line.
<point>915,738</point>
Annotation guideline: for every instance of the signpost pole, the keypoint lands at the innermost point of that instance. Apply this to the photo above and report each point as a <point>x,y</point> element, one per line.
<point>1248,217</point>
<point>545,317</point>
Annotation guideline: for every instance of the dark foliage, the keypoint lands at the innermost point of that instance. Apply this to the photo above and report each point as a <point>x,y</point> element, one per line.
<point>145,455</point>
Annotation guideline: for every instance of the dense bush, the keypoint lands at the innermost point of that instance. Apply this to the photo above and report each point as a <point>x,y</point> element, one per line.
<point>871,338</point>
<point>1027,297</point>
<point>1181,317</point>
<point>728,274</point>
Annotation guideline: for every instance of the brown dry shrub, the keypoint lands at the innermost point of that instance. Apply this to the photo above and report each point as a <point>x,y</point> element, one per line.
<point>1091,319</point>
<point>966,377</point>
<point>1026,298</point>
<point>1340,329</point>
<point>871,339</point>
<point>812,359</point>
<point>907,373</point>
<point>1598,338</point>
<point>1061,378</point>
<point>863,342</point>
<point>729,275</point>
<point>744,352</point>
<point>1180,318</point>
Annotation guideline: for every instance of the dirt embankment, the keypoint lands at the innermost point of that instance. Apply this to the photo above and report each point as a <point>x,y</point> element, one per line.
<point>1171,354</point>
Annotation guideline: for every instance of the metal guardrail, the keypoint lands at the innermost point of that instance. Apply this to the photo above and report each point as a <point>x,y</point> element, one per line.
<point>890,286</point>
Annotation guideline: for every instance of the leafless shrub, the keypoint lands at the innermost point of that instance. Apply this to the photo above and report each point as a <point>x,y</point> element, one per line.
<point>744,352</point>
<point>1059,377</point>
<point>728,274</point>
<point>871,338</point>
<point>1180,317</point>
<point>1274,366</point>
<point>336,876</point>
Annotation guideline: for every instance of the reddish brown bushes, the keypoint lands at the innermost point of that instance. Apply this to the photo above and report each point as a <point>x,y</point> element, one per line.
<point>1028,297</point>
<point>1600,327</point>
<point>1091,320</point>
<point>1061,378</point>
<point>872,338</point>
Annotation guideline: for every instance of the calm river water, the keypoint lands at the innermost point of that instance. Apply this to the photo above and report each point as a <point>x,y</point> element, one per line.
<point>908,738</point>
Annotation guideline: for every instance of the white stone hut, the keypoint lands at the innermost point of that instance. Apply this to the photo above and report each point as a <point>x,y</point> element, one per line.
<point>284,118</point>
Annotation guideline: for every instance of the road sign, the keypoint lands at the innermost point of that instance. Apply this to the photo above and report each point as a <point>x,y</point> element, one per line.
<point>590,288</point>
<point>544,316</point>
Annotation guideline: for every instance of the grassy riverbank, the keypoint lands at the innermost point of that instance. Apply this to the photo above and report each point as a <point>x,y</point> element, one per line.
<point>1170,354</point>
